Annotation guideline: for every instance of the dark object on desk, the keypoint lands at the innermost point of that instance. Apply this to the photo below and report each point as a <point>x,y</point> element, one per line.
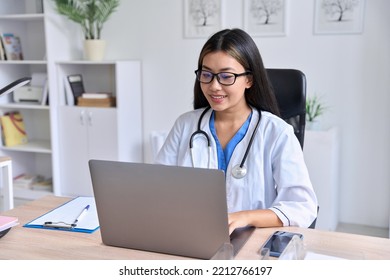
<point>278,241</point>
<point>6,223</point>
<point>14,85</point>
<point>4,232</point>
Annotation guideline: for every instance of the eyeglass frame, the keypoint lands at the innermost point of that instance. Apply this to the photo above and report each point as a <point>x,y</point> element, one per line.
<point>218,78</point>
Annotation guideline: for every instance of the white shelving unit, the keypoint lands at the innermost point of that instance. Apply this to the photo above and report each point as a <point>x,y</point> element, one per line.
<point>25,19</point>
<point>58,148</point>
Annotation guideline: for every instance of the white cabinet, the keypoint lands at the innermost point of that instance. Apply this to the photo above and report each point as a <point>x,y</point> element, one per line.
<point>98,133</point>
<point>321,151</point>
<point>86,133</point>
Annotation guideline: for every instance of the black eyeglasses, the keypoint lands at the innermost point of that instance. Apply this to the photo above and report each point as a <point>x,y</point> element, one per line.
<point>224,78</point>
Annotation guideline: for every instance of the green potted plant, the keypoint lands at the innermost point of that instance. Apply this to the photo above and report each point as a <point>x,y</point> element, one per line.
<point>314,109</point>
<point>91,16</point>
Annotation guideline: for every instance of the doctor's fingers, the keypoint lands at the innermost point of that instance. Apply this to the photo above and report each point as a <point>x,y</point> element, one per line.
<point>236,220</point>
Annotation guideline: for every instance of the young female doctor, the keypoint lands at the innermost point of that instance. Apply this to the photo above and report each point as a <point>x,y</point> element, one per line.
<point>235,127</point>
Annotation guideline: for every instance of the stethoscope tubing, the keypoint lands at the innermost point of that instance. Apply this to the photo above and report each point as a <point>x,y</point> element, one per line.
<point>202,132</point>
<point>239,169</point>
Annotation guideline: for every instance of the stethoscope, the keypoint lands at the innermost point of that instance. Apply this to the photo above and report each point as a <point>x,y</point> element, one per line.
<point>239,171</point>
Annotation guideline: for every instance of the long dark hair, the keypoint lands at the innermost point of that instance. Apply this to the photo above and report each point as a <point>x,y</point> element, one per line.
<point>238,44</point>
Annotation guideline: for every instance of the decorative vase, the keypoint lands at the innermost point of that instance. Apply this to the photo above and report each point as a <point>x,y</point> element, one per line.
<point>313,125</point>
<point>94,49</point>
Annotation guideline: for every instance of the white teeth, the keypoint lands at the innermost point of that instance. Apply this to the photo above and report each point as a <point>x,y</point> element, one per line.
<point>218,97</point>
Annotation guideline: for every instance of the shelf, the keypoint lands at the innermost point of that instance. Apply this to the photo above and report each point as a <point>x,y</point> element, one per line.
<point>30,194</point>
<point>88,62</point>
<point>24,106</point>
<point>34,146</point>
<point>24,62</point>
<point>22,17</point>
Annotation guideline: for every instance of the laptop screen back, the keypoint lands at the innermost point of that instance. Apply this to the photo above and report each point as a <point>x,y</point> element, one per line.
<point>165,209</point>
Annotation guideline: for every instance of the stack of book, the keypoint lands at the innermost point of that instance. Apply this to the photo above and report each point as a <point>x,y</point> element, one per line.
<point>33,182</point>
<point>96,100</point>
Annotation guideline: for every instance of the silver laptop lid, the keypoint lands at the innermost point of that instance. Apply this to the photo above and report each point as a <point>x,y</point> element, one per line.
<point>166,209</point>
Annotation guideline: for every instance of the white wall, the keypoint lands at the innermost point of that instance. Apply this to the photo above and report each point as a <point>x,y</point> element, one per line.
<point>350,71</point>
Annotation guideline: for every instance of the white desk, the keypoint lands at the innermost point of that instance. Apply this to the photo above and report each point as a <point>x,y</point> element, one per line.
<point>40,244</point>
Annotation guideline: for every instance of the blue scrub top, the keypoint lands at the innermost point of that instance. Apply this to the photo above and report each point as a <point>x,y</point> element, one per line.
<point>224,155</point>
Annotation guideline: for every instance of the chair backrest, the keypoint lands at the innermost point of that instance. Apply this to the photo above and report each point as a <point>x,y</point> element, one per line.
<point>289,86</point>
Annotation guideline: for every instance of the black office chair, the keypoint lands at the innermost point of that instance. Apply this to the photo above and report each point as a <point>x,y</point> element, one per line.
<point>313,224</point>
<point>289,86</point>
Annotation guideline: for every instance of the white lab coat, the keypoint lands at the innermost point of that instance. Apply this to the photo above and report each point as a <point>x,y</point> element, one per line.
<point>277,177</point>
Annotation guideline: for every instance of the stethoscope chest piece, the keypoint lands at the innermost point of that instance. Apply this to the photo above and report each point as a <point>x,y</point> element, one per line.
<point>239,172</point>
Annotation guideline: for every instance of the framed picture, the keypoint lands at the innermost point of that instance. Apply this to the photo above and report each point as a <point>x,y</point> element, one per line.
<point>339,16</point>
<point>265,17</point>
<point>201,18</point>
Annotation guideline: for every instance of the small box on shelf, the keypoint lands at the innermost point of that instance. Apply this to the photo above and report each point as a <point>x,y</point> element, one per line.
<point>96,102</point>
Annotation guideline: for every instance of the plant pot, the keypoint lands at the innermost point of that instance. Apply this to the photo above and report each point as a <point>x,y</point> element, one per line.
<point>313,125</point>
<point>94,49</point>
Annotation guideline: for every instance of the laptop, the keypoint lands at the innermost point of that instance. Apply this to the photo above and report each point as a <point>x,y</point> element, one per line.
<point>165,209</point>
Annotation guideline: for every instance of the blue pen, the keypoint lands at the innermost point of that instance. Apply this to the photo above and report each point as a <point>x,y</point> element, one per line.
<point>80,216</point>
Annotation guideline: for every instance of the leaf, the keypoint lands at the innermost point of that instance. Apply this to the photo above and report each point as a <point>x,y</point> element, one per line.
<point>90,14</point>
<point>314,108</point>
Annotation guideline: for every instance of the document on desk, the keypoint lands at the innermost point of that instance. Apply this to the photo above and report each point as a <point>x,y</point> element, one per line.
<point>79,214</point>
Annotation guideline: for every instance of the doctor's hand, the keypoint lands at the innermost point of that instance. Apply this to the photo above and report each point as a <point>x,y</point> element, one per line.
<point>237,220</point>
<point>257,218</point>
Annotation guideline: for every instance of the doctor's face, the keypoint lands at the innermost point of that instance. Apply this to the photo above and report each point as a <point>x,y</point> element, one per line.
<point>221,94</point>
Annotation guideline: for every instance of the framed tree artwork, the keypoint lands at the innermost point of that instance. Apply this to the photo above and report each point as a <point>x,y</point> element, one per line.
<point>339,16</point>
<point>265,17</point>
<point>201,18</point>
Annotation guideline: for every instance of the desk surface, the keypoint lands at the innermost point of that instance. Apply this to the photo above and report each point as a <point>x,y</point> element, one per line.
<point>28,243</point>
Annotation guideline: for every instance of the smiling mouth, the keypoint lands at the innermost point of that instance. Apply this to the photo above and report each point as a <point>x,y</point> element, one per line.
<point>218,97</point>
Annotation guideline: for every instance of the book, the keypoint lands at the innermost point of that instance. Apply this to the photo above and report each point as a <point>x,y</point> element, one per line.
<point>6,223</point>
<point>68,93</point>
<point>43,185</point>
<point>76,85</point>
<point>45,93</point>
<point>26,181</point>
<point>12,47</point>
<point>97,95</point>
<point>2,51</point>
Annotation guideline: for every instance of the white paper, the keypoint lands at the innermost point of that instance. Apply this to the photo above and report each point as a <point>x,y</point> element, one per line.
<point>69,211</point>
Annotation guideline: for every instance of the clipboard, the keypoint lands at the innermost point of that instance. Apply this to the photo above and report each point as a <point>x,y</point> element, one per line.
<point>63,217</point>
